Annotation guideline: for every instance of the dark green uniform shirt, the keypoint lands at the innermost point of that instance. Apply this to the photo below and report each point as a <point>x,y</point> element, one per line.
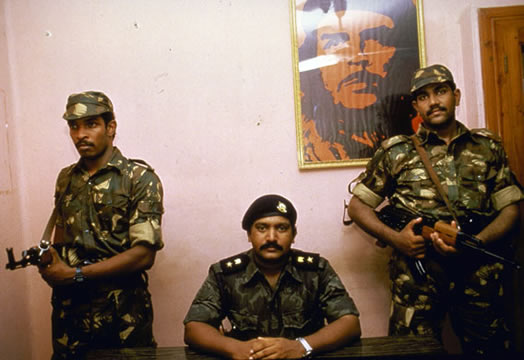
<point>107,213</point>
<point>308,292</point>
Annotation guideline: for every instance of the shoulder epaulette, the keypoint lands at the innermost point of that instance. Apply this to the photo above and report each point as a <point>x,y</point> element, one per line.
<point>143,163</point>
<point>64,176</point>
<point>486,133</point>
<point>394,140</point>
<point>305,260</point>
<point>234,263</point>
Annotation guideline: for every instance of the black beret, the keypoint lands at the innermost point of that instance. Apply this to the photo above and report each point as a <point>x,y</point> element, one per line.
<point>269,205</point>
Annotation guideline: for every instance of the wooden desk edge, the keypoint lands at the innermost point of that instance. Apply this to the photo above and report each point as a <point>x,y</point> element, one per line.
<point>376,347</point>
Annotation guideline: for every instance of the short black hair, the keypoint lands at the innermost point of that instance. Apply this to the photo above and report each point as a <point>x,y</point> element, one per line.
<point>108,116</point>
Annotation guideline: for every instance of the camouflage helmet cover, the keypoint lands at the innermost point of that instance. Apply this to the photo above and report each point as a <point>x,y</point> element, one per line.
<point>430,75</point>
<point>87,103</point>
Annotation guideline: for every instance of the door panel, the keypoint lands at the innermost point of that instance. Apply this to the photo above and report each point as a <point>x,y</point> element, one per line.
<point>501,33</point>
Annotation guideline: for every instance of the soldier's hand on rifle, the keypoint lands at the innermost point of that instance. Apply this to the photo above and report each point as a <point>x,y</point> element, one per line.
<point>56,272</point>
<point>441,246</point>
<point>410,244</point>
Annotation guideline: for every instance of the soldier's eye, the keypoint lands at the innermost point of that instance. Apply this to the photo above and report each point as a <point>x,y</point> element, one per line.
<point>283,228</point>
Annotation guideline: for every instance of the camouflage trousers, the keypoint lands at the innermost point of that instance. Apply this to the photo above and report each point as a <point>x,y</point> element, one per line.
<point>469,291</point>
<point>101,315</point>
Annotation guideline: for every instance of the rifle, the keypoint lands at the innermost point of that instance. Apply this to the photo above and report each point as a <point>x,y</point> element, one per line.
<point>36,255</point>
<point>397,219</point>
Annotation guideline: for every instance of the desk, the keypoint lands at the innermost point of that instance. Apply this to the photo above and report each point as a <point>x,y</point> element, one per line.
<point>392,347</point>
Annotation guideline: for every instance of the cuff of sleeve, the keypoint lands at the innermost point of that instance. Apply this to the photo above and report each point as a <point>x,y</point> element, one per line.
<point>367,196</point>
<point>506,196</point>
<point>146,232</point>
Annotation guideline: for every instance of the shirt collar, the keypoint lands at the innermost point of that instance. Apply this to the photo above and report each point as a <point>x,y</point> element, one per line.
<point>252,268</point>
<point>117,161</point>
<point>425,134</point>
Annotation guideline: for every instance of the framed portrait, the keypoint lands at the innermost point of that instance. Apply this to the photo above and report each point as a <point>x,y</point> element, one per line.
<point>352,65</point>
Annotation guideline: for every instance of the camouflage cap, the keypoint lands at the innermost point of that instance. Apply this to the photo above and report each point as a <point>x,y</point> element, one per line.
<point>269,205</point>
<point>87,103</point>
<point>430,75</point>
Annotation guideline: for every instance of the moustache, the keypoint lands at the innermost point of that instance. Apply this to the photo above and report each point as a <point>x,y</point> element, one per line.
<point>441,108</point>
<point>83,143</point>
<point>361,77</point>
<point>271,245</point>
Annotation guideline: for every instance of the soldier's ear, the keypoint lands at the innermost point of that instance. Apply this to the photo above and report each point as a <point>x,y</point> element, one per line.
<point>111,128</point>
<point>457,95</point>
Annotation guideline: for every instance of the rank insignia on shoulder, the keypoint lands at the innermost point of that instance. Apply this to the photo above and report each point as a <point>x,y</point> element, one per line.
<point>306,260</point>
<point>234,263</point>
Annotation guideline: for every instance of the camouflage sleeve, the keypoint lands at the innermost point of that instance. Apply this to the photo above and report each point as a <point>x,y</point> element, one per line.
<point>374,181</point>
<point>334,299</point>
<point>507,190</point>
<point>207,304</point>
<point>146,208</point>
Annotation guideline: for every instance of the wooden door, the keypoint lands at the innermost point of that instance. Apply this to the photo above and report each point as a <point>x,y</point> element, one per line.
<point>502,53</point>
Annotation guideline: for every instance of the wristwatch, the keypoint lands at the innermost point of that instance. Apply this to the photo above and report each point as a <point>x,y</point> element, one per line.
<point>79,275</point>
<point>306,346</point>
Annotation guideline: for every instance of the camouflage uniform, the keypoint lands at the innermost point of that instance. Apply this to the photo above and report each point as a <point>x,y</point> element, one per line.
<point>307,293</point>
<point>474,172</point>
<point>104,215</point>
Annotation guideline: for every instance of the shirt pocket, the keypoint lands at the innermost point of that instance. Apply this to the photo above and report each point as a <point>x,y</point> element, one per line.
<point>414,182</point>
<point>476,183</point>
<point>243,322</point>
<point>111,210</point>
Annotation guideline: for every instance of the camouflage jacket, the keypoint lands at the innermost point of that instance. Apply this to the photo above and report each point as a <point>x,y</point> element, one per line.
<point>307,293</point>
<point>107,213</point>
<point>473,170</point>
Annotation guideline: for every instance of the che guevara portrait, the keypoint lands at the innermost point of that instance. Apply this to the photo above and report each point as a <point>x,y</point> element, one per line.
<point>354,61</point>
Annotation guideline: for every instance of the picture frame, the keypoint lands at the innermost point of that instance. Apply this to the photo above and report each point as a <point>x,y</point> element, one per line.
<point>352,65</point>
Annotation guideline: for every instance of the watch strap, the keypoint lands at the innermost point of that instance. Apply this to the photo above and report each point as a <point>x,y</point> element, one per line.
<point>306,346</point>
<point>79,275</point>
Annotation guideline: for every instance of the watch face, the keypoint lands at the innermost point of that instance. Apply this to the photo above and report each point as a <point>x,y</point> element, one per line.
<point>79,277</point>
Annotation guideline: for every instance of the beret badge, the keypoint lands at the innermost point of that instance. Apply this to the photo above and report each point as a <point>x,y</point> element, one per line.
<point>282,207</point>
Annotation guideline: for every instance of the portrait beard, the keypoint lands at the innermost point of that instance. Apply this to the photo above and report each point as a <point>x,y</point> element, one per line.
<point>335,123</point>
<point>366,95</point>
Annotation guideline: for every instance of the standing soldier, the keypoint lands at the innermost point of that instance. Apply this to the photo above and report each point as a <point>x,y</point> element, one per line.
<point>473,173</point>
<point>107,232</point>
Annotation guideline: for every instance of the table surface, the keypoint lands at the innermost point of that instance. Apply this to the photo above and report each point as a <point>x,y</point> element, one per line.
<point>391,347</point>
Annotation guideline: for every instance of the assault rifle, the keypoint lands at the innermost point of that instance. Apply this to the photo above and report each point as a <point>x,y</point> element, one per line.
<point>397,219</point>
<point>36,255</point>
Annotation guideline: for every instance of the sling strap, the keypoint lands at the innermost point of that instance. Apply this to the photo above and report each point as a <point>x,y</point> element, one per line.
<point>433,175</point>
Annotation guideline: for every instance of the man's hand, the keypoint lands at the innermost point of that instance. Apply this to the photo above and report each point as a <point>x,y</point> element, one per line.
<point>275,348</point>
<point>440,246</point>
<point>56,272</point>
<point>410,244</point>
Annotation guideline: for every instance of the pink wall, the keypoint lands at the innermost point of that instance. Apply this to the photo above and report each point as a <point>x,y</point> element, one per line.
<point>202,91</point>
<point>15,315</point>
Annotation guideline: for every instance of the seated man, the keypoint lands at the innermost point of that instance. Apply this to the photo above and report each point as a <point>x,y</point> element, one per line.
<point>277,299</point>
